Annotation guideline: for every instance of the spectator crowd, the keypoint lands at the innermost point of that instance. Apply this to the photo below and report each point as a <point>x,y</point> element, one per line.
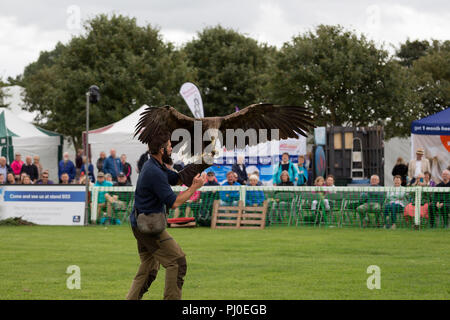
<point>114,170</point>
<point>384,206</point>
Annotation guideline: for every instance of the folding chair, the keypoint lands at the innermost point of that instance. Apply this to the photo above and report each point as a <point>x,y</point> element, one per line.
<point>295,205</point>
<point>281,204</point>
<point>122,211</point>
<point>304,207</point>
<point>349,203</point>
<point>336,201</point>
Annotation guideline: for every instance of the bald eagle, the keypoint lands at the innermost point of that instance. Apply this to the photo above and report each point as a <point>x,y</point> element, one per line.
<point>289,120</point>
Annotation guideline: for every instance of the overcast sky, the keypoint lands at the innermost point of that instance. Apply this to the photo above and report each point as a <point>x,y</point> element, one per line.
<point>28,27</point>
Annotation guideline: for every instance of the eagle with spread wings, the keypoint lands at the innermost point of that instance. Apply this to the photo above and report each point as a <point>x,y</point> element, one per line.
<point>289,120</point>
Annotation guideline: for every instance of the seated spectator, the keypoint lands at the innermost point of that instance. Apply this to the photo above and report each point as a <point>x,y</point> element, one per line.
<point>240,170</point>
<point>90,169</point>
<point>17,164</point>
<point>254,198</point>
<point>374,201</point>
<point>65,179</point>
<point>4,167</point>
<point>235,176</point>
<point>410,208</point>
<point>285,165</point>
<point>440,201</point>
<point>396,202</point>
<point>10,179</point>
<point>117,200</point>
<point>420,181</point>
<point>285,180</point>
<point>104,198</point>
<point>229,198</point>
<point>100,161</point>
<point>126,167</point>
<point>66,166</point>
<point>22,177</point>
<point>82,180</point>
<point>329,182</point>
<point>302,171</point>
<point>211,179</point>
<point>26,180</point>
<point>256,173</point>
<point>109,178</point>
<point>428,181</point>
<point>45,179</point>
<point>401,169</point>
<point>2,179</point>
<point>102,182</point>
<point>37,163</point>
<point>320,182</point>
<point>207,199</point>
<point>122,180</point>
<point>30,169</point>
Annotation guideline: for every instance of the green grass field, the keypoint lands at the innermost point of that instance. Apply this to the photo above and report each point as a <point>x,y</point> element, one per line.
<point>275,263</point>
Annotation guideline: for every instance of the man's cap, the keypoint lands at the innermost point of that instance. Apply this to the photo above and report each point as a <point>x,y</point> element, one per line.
<point>100,174</point>
<point>211,173</point>
<point>121,174</point>
<point>420,151</point>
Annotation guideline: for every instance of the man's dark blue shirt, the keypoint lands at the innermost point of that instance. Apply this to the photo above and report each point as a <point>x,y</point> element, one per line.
<point>153,192</point>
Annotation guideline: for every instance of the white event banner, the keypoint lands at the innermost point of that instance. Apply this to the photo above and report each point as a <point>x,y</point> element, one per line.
<point>191,95</point>
<point>45,205</point>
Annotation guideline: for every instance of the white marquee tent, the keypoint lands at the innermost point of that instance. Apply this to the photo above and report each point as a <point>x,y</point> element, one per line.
<point>118,135</point>
<point>433,135</point>
<point>18,135</point>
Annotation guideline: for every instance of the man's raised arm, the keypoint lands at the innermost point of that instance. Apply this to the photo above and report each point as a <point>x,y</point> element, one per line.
<point>197,183</point>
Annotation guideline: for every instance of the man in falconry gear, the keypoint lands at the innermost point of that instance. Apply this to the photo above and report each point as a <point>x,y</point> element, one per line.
<point>153,192</point>
<point>152,196</point>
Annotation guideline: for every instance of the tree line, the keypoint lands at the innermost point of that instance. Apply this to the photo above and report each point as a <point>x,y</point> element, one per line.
<point>341,76</point>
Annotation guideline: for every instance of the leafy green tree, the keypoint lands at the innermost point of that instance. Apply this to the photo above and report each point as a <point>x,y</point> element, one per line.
<point>130,64</point>
<point>344,79</point>
<point>411,51</point>
<point>232,69</point>
<point>432,72</point>
<point>3,94</point>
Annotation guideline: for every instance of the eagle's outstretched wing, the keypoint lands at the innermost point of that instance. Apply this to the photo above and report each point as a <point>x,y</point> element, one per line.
<point>290,120</point>
<point>161,119</point>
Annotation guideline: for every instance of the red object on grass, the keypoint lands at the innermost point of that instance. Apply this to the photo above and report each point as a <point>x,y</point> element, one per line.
<point>181,220</point>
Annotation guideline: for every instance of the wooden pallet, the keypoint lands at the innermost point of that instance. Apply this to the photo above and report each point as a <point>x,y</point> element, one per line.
<point>238,217</point>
